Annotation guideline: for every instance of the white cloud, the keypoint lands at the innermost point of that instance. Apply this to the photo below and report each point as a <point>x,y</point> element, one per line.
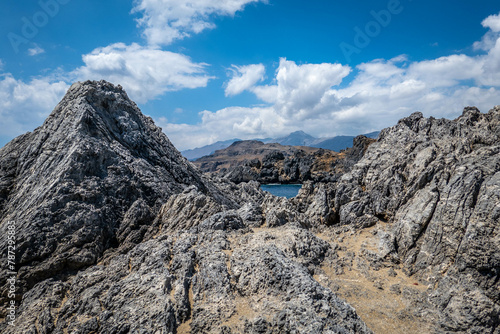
<point>489,40</point>
<point>297,88</point>
<point>164,21</point>
<point>491,66</point>
<point>492,22</point>
<point>25,105</point>
<point>144,72</point>
<point>447,71</point>
<point>308,97</point>
<point>300,88</point>
<point>266,93</point>
<point>246,123</point>
<point>35,51</point>
<point>244,77</point>
<point>2,64</point>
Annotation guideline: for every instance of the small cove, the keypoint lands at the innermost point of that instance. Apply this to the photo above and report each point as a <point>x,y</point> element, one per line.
<point>282,190</point>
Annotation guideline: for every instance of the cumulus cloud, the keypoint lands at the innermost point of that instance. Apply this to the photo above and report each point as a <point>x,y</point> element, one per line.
<point>246,123</point>
<point>25,105</point>
<point>164,21</point>
<point>35,51</point>
<point>144,72</point>
<point>244,78</point>
<point>309,97</point>
<point>492,22</point>
<point>447,71</point>
<point>300,88</point>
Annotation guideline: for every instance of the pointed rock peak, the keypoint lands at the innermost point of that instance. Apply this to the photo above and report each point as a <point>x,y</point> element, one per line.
<point>86,180</point>
<point>414,118</point>
<point>99,109</point>
<point>95,93</point>
<point>470,116</point>
<point>495,110</point>
<point>93,99</point>
<point>89,87</point>
<point>470,111</point>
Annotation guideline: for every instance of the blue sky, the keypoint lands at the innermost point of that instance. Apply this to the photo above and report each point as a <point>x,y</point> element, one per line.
<point>209,70</point>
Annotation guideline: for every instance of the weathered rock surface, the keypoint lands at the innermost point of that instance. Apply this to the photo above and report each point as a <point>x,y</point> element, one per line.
<point>117,233</point>
<point>437,182</point>
<point>205,281</point>
<point>89,179</point>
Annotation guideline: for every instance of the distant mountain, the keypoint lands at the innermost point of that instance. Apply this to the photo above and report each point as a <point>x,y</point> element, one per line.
<point>339,143</point>
<point>297,138</point>
<point>199,152</point>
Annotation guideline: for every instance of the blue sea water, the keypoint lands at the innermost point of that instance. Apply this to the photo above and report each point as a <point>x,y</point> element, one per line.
<point>282,190</point>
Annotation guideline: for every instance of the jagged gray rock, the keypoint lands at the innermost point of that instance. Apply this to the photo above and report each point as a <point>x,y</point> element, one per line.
<point>86,181</point>
<point>315,201</point>
<point>118,233</point>
<point>200,280</point>
<point>437,182</point>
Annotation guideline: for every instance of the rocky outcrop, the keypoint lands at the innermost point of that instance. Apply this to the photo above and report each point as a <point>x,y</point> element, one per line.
<point>428,190</point>
<point>206,281</point>
<point>251,160</point>
<point>89,179</point>
<point>436,182</point>
<point>116,233</point>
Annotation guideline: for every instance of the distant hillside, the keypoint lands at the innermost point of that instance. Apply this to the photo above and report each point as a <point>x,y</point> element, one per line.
<point>249,160</point>
<point>339,143</point>
<point>297,138</point>
<point>199,152</point>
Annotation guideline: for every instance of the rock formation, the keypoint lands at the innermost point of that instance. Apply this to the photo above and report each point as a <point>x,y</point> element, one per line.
<point>91,178</point>
<point>117,233</point>
<point>436,182</point>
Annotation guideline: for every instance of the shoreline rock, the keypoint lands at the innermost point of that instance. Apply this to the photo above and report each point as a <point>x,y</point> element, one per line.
<point>118,233</point>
